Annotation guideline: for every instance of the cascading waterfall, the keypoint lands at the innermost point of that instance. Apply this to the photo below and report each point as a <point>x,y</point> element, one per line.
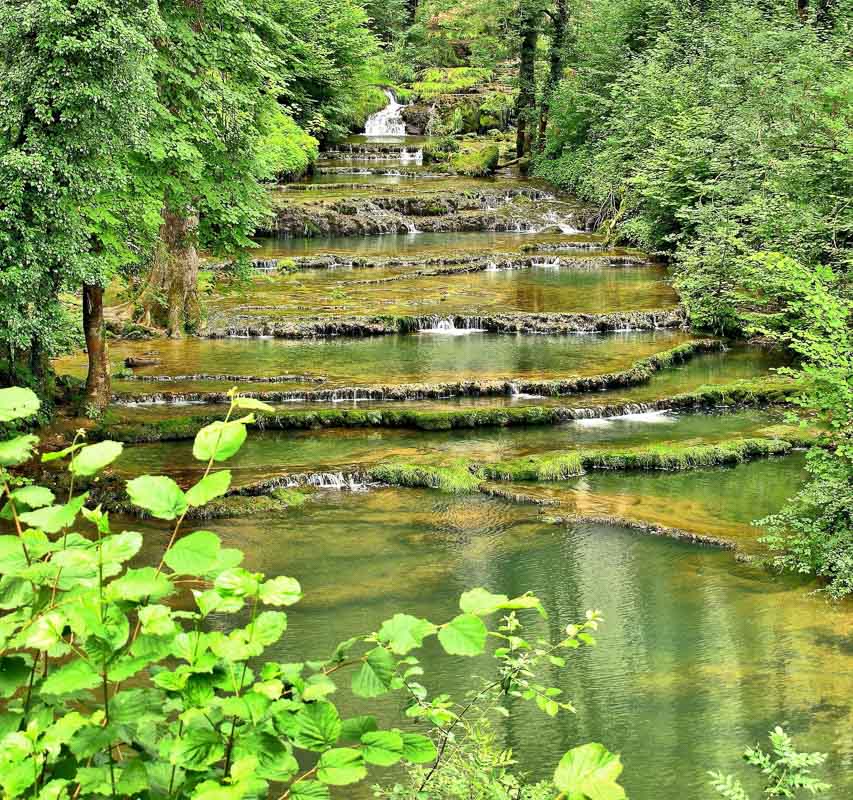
<point>388,121</point>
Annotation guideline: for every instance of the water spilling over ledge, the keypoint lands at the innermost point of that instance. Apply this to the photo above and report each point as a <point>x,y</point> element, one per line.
<point>249,326</point>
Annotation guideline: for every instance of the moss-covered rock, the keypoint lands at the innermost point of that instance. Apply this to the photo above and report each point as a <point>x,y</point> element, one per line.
<point>476,162</point>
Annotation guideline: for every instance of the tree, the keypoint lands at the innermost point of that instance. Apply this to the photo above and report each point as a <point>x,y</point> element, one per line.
<point>75,81</point>
<point>216,75</point>
<point>529,16</point>
<point>559,17</point>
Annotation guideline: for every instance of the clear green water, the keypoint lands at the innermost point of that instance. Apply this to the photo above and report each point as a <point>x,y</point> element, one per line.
<point>408,244</point>
<point>271,453</point>
<point>543,289</point>
<point>413,358</point>
<point>698,655</point>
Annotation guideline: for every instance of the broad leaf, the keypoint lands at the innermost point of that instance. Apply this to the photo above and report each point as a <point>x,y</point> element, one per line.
<point>589,772</point>
<point>403,632</point>
<point>17,450</point>
<point>281,591</point>
<point>418,749</point>
<point>251,404</point>
<point>376,673</point>
<point>219,441</point>
<point>17,403</point>
<point>309,790</point>
<point>482,602</point>
<point>341,766</point>
<point>74,676</point>
<point>33,496</point>
<point>53,519</point>
<point>382,748</point>
<point>195,554</point>
<point>159,495</point>
<point>197,749</point>
<point>318,726</point>
<point>215,484</point>
<point>94,457</point>
<point>138,584</point>
<point>14,672</point>
<point>464,635</point>
<point>268,627</point>
<point>354,728</point>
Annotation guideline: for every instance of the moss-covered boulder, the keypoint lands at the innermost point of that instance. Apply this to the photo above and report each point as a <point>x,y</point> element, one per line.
<point>476,162</point>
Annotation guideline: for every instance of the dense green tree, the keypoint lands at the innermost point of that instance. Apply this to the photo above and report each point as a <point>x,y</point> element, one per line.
<point>217,83</point>
<point>75,85</point>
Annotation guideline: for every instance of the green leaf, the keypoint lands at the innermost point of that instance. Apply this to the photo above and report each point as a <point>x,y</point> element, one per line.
<point>75,676</point>
<point>57,454</point>
<point>403,633</point>
<point>212,485</point>
<point>219,441</point>
<point>268,628</point>
<point>418,749</point>
<point>33,496</point>
<point>17,403</point>
<point>137,584</point>
<point>159,495</point>
<point>376,673</point>
<point>121,547</point>
<point>251,404</point>
<point>341,766</point>
<point>12,556</point>
<point>383,748</point>
<point>482,602</point>
<point>14,673</point>
<point>309,790</point>
<point>17,450</point>
<point>197,749</point>
<point>195,554</point>
<point>354,728</point>
<point>156,620</point>
<point>94,457</point>
<point>464,635</point>
<point>281,591</point>
<point>318,726</point>
<point>589,772</point>
<point>53,519</point>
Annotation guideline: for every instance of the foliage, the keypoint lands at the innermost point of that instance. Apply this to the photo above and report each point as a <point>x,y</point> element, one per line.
<point>800,307</point>
<point>785,771</point>
<point>435,81</point>
<point>75,83</point>
<point>673,122</point>
<point>286,151</point>
<point>118,683</point>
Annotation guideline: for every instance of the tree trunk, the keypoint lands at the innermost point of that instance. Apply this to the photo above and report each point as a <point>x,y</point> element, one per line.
<point>526,103</point>
<point>559,21</point>
<point>171,299</point>
<point>98,379</point>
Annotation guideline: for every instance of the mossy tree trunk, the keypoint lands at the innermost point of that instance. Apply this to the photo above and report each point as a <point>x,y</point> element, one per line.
<point>559,21</point>
<point>97,395</point>
<point>525,105</point>
<point>171,297</point>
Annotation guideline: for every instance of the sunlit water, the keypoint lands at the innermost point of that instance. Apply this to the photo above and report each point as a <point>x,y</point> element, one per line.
<point>400,291</point>
<point>395,359</point>
<point>698,656</point>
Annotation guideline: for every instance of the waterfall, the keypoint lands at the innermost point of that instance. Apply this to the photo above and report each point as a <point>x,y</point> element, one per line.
<point>388,121</point>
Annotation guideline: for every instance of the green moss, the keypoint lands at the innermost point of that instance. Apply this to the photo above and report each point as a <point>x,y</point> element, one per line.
<point>561,466</point>
<point>476,163</point>
<point>292,498</point>
<point>455,480</point>
<point>771,391</point>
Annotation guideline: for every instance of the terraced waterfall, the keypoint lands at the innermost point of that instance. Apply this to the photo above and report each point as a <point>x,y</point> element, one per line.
<point>471,389</point>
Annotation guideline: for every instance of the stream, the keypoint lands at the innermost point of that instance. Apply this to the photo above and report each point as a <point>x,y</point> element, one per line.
<point>700,654</point>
